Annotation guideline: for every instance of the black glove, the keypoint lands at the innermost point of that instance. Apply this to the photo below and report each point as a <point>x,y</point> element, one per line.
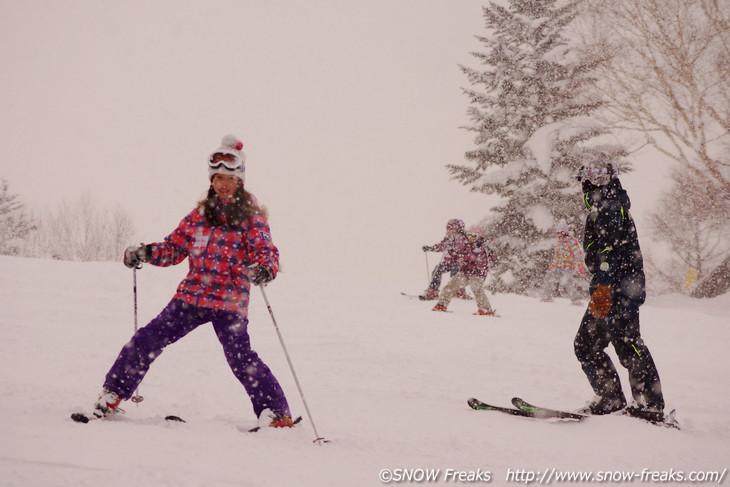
<point>136,254</point>
<point>426,248</point>
<point>261,275</point>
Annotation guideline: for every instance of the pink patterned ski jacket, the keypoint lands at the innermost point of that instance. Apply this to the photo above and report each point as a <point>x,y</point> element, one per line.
<point>476,258</point>
<point>568,255</point>
<point>451,245</point>
<point>219,258</point>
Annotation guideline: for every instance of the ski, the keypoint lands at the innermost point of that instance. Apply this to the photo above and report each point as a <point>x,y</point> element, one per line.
<point>420,297</point>
<point>482,406</point>
<point>495,315</point>
<point>82,418</point>
<point>257,428</point>
<point>540,412</point>
<point>670,420</point>
<point>85,418</point>
<point>527,412</point>
<point>412,296</point>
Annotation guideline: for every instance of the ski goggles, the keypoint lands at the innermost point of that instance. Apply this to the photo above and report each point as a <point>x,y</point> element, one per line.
<point>233,165</point>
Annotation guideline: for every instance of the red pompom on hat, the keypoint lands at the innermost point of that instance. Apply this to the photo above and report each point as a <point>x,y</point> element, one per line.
<point>234,147</point>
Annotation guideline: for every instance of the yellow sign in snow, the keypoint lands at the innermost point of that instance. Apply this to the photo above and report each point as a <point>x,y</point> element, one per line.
<point>689,278</point>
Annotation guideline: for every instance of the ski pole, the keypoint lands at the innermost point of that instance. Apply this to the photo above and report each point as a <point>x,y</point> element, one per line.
<point>136,398</point>
<point>318,438</point>
<point>428,269</point>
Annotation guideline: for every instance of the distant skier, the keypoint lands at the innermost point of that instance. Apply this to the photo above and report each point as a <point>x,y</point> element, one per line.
<point>566,267</point>
<point>453,240</point>
<point>227,243</point>
<point>617,290</point>
<point>474,259</point>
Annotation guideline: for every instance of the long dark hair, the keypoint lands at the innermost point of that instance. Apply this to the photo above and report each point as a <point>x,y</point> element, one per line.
<point>242,208</point>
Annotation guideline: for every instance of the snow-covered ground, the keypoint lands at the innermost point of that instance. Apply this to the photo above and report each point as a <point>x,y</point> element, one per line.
<point>386,379</point>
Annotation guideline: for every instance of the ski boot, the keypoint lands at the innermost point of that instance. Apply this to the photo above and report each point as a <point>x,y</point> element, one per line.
<point>485,312</point>
<point>461,294</point>
<point>600,405</point>
<point>429,295</point>
<point>651,413</point>
<point>439,307</point>
<point>275,420</point>
<point>107,404</point>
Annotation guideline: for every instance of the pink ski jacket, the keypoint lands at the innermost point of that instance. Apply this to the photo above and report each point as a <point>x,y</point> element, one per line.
<point>219,258</point>
<point>451,246</point>
<point>477,258</point>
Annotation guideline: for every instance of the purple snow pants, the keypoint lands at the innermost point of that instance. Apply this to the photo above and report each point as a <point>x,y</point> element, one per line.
<point>177,320</point>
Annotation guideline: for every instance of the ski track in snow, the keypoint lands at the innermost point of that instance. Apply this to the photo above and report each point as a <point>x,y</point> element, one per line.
<point>386,380</point>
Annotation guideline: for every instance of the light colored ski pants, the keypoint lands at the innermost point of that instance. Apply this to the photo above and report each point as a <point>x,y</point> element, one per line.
<point>565,278</point>
<point>459,281</point>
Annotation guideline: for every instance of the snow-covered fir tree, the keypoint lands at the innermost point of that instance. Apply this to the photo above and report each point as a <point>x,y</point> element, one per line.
<point>15,224</point>
<point>529,110</point>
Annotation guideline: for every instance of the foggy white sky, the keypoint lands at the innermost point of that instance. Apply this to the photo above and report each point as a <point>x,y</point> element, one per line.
<point>349,112</point>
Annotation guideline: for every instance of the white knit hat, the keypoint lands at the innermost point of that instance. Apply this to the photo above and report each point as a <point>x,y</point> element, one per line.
<point>229,145</point>
<point>562,227</point>
<point>476,230</point>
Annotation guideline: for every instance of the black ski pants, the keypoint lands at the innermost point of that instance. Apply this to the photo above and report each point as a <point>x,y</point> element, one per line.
<point>621,329</point>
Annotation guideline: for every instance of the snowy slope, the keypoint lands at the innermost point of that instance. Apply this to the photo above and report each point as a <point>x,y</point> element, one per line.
<point>386,379</point>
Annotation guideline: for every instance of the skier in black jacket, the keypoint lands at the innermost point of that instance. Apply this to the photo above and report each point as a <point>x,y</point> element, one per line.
<point>613,256</point>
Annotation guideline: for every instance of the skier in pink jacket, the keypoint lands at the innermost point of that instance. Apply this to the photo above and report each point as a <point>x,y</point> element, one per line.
<point>453,241</point>
<point>474,259</point>
<point>227,243</point>
<point>567,266</point>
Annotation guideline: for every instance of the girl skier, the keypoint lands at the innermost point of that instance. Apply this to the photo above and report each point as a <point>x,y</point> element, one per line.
<point>454,240</point>
<point>566,267</point>
<point>227,242</point>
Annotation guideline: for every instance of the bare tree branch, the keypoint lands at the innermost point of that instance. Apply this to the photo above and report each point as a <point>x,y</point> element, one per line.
<point>667,76</point>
